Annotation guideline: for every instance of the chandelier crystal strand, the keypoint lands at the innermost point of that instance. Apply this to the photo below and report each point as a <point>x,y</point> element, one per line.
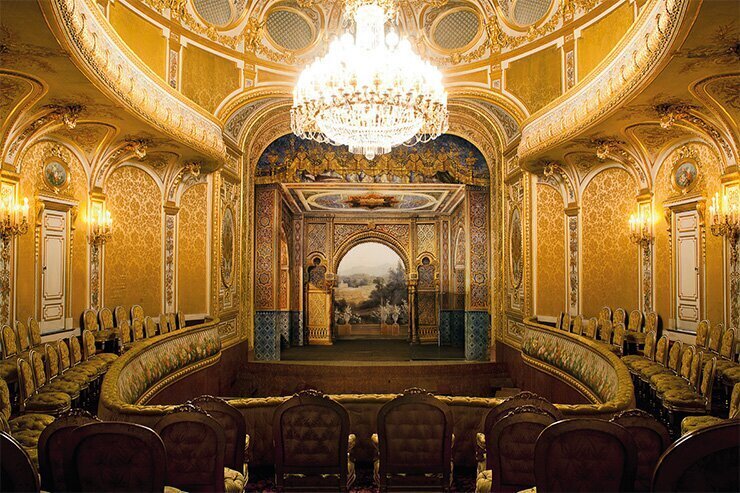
<point>370,92</point>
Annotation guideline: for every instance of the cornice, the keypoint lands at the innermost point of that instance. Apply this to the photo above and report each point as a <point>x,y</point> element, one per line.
<point>111,66</point>
<point>639,57</point>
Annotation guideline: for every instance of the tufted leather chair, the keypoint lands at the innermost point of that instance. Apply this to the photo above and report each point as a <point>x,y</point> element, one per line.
<point>17,472</point>
<point>524,398</point>
<point>138,462</point>
<point>52,448</point>
<point>585,454</point>
<point>635,330</point>
<point>693,423</point>
<point>33,401</point>
<point>235,430</point>
<point>312,443</point>
<point>196,446</point>
<point>25,428</point>
<point>651,438</point>
<point>415,442</point>
<point>706,460</point>
<point>510,446</point>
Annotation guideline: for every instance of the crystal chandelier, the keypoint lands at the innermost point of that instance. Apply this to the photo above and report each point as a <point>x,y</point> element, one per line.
<point>370,92</point>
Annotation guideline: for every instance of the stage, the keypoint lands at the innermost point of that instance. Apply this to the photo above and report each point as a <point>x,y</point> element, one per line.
<point>372,366</point>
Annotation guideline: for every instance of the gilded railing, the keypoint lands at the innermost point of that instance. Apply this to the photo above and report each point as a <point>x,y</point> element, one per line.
<point>634,62</point>
<point>582,363</point>
<point>111,65</point>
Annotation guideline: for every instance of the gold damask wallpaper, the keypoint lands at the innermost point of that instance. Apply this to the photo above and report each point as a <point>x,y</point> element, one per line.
<point>192,263</point>
<point>133,256</point>
<point>598,39</point>
<point>31,185</point>
<point>709,173</point>
<point>535,79</point>
<point>144,38</point>
<point>610,259</point>
<point>550,251</point>
<point>207,78</point>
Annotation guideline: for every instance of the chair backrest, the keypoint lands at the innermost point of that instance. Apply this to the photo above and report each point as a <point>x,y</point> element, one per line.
<point>65,361</point>
<point>181,322</point>
<point>137,462</point>
<point>120,313</point>
<point>620,332</point>
<point>150,327</point>
<point>735,401</point>
<point>702,334</point>
<point>75,349</point>
<point>651,438</point>
<point>578,325</point>
<point>17,472</point>
<point>524,398</point>
<point>649,349</point>
<point>727,344</point>
<point>127,335</point>
<point>590,329</point>
<point>695,372</point>
<point>52,360</point>
<point>689,353</point>
<point>415,436</point>
<point>234,426</point>
<point>510,447</point>
<point>704,460</point>
<point>39,369</point>
<point>652,321</point>
<point>605,314</point>
<point>89,320</point>
<point>172,321</point>
<point>88,344</point>
<point>567,322</point>
<point>605,331</point>
<point>310,433</point>
<point>164,323</point>
<point>661,350</point>
<point>564,448</point>
<point>635,321</point>
<point>715,335</point>
<point>674,356</point>
<point>137,328</point>
<point>6,404</point>
<point>105,316</point>
<point>26,381</point>
<point>53,448</point>
<point>559,321</point>
<point>34,331</point>
<point>195,445</point>
<point>10,344</point>
<point>24,342</point>
<point>620,316</point>
<point>707,380</point>
<point>137,312</point>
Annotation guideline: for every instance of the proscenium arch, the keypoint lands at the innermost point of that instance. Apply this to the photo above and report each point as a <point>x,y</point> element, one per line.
<point>371,236</point>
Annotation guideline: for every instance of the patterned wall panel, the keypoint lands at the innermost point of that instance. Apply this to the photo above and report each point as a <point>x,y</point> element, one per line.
<point>426,238</point>
<point>444,262</point>
<point>297,257</point>
<point>477,329</point>
<point>479,249</point>
<point>229,242</point>
<point>399,231</point>
<point>266,338</point>
<point>264,254</point>
<point>316,236</point>
<point>344,231</point>
<point>550,251</point>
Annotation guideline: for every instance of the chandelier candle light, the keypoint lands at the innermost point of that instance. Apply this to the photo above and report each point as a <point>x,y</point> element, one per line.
<point>370,92</point>
<point>14,218</point>
<point>640,229</point>
<point>100,227</point>
<point>725,215</point>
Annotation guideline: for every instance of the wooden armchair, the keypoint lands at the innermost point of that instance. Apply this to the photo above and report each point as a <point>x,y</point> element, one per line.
<point>312,444</point>
<point>414,442</point>
<point>17,472</point>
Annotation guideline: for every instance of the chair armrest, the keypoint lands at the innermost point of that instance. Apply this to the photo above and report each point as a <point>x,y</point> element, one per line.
<point>351,442</point>
<point>246,455</point>
<point>480,447</point>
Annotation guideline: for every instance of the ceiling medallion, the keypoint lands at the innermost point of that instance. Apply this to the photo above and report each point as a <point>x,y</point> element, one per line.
<point>371,201</point>
<point>370,92</point>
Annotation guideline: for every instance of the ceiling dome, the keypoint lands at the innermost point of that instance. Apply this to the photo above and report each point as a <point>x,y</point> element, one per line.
<point>524,13</point>
<point>456,29</point>
<point>219,13</point>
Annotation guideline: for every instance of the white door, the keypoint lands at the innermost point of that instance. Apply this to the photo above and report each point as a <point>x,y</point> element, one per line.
<point>688,270</point>
<point>53,270</point>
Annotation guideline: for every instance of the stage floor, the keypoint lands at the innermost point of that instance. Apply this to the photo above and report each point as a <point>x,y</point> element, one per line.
<point>373,350</point>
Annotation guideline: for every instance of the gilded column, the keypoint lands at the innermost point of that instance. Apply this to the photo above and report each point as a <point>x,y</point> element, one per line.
<point>573,278</point>
<point>169,283</point>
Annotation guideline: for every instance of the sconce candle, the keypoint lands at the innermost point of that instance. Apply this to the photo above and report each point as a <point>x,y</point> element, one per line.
<point>100,226</point>
<point>14,218</point>
<point>640,232</point>
<point>725,215</point>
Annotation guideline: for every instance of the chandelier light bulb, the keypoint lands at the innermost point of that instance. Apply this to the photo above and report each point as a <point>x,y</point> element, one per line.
<point>370,92</point>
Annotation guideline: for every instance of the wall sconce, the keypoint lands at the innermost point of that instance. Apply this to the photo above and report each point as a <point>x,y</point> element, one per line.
<point>725,217</point>
<point>100,227</point>
<point>640,229</point>
<point>13,219</point>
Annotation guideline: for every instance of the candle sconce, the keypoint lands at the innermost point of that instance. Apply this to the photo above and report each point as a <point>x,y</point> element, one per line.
<point>100,229</point>
<point>640,229</point>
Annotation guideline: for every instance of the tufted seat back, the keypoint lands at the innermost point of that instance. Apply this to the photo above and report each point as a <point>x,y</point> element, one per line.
<point>415,435</point>
<point>138,462</point>
<point>233,424</point>
<point>195,445</point>
<point>585,455</point>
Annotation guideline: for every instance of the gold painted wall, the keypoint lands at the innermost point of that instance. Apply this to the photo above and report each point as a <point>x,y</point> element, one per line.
<point>598,39</point>
<point>609,258</point>
<point>192,262</point>
<point>535,79</point>
<point>709,167</point>
<point>30,186</point>
<point>144,38</point>
<point>550,251</point>
<point>207,78</point>
<point>133,256</point>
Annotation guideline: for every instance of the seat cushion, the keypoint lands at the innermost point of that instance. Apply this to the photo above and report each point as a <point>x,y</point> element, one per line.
<point>693,423</point>
<point>91,371</point>
<point>75,376</point>
<point>234,481</point>
<point>663,381</point>
<point>655,369</point>
<point>724,365</point>
<point>107,357</point>
<point>631,359</point>
<point>30,422</point>
<point>484,481</point>
<point>70,388</point>
<point>105,335</point>
<point>683,398</point>
<point>9,369</point>
<point>731,375</point>
<point>28,438</point>
<point>51,402</point>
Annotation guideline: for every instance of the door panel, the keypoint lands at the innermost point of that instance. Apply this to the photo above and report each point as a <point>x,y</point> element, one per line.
<point>688,270</point>
<point>53,270</point>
